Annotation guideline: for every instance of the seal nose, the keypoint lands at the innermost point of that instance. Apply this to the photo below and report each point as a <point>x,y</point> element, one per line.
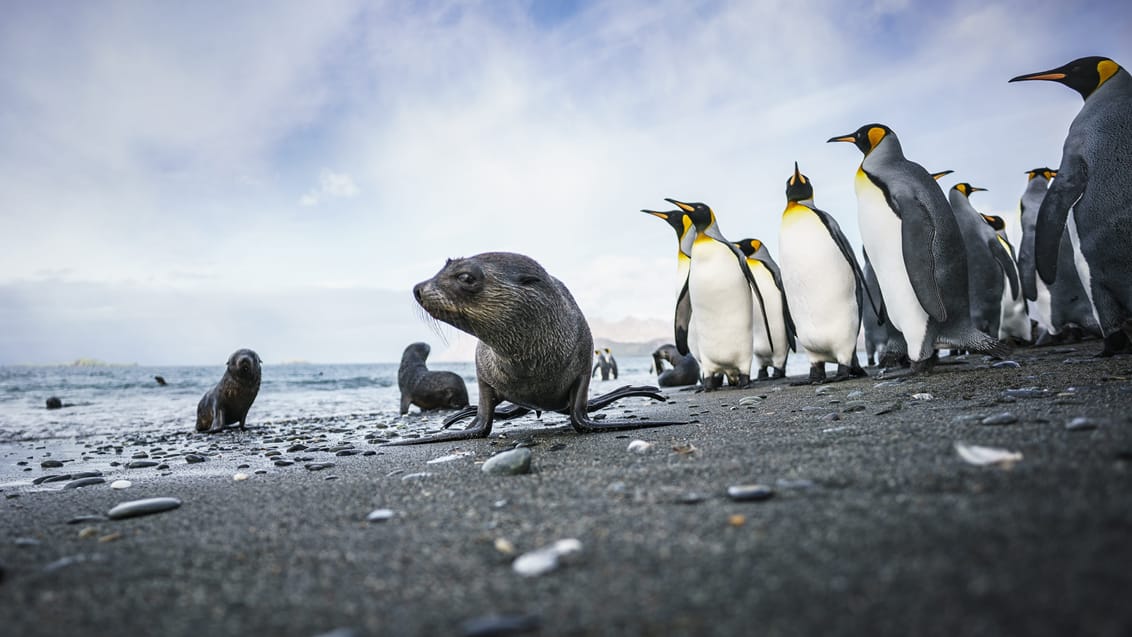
<point>417,291</point>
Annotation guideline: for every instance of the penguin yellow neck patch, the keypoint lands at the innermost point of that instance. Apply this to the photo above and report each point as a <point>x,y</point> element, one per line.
<point>876,134</point>
<point>1106,69</point>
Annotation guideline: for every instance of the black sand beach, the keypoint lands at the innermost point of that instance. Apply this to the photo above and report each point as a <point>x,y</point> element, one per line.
<point>876,524</point>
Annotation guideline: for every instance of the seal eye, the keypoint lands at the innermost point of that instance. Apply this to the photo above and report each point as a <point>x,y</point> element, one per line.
<point>465,278</point>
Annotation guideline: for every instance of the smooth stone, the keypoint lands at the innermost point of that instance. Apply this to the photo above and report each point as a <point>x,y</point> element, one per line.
<point>888,409</point>
<point>546,559</point>
<point>1025,392</point>
<point>51,464</point>
<point>854,406</point>
<point>823,390</point>
<point>380,515</point>
<point>83,482</point>
<point>240,477</point>
<point>499,625</point>
<point>83,519</point>
<point>283,463</point>
<point>193,458</point>
<point>319,466</point>
<point>121,484</point>
<point>750,400</point>
<point>1006,365</point>
<point>1005,418</point>
<point>691,498</point>
<point>509,463</point>
<point>347,452</point>
<point>640,447</point>
<point>750,492</point>
<point>142,464</point>
<point>923,396</point>
<point>70,560</point>
<point>856,393</point>
<point>142,507</point>
<point>58,477</point>
<point>296,448</point>
<point>1082,423</point>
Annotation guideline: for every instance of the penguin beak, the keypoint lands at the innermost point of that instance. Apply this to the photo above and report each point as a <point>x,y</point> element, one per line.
<point>680,204</point>
<point>977,189</point>
<point>1053,75</point>
<point>655,213</point>
<point>851,138</point>
<point>797,175</point>
<point>941,174</point>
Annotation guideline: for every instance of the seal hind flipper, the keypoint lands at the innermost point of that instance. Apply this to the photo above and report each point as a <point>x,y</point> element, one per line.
<point>604,400</point>
<point>580,407</point>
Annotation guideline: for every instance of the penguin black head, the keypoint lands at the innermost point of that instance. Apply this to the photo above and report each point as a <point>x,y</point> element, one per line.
<point>866,137</point>
<point>749,246</point>
<point>674,218</point>
<point>699,213</point>
<point>1083,75</point>
<point>967,189</point>
<point>1048,173</point>
<point>995,222</point>
<point>798,188</point>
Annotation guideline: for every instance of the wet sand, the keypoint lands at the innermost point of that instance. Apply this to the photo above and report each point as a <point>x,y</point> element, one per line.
<point>876,524</point>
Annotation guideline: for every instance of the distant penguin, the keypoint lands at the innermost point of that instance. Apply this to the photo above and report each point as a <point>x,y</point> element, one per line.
<point>1063,303</point>
<point>884,344</point>
<point>769,279</point>
<point>987,261</point>
<point>612,362</point>
<point>678,220</point>
<point>1092,194</point>
<point>1014,324</point>
<point>685,370</point>
<point>914,241</point>
<point>600,364</point>
<point>823,282</point>
<point>714,311</point>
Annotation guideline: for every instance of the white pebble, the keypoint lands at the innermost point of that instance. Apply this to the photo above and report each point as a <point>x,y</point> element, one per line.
<point>640,446</point>
<point>544,560</point>
<point>379,515</point>
<point>240,476</point>
<point>922,397</point>
<point>121,484</point>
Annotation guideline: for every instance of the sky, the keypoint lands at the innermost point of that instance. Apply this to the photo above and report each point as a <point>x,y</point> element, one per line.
<point>179,180</point>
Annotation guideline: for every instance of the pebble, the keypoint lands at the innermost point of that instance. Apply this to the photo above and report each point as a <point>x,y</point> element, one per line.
<point>691,498</point>
<point>1082,423</point>
<point>420,475</point>
<point>888,409</point>
<point>546,559</point>
<point>240,477</point>
<point>121,484</point>
<point>296,448</point>
<point>51,464</point>
<point>923,396</point>
<point>1025,392</point>
<point>982,456</point>
<point>751,400</point>
<point>500,625</point>
<point>1004,418</point>
<point>509,463</point>
<point>856,393</point>
<point>379,515</point>
<point>52,477</point>
<point>640,447</point>
<point>455,455</point>
<point>1006,365</point>
<point>319,466</point>
<point>854,406</point>
<point>142,464</point>
<point>83,482</point>
<point>823,390</point>
<point>81,519</point>
<point>283,463</point>
<point>750,492</point>
<point>193,458</point>
<point>142,507</point>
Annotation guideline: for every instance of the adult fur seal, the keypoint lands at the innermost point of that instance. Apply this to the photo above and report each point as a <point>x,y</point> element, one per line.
<point>229,400</point>
<point>426,389</point>
<point>534,343</point>
<point>685,370</point>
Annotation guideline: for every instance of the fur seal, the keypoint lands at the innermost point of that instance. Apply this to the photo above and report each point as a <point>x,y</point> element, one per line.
<point>534,343</point>
<point>685,370</point>
<point>427,389</point>
<point>229,400</point>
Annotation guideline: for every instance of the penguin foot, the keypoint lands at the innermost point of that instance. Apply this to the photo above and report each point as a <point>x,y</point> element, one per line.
<point>817,373</point>
<point>778,372</point>
<point>762,374</point>
<point>1115,343</point>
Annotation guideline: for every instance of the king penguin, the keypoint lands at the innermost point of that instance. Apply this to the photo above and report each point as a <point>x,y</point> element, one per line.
<point>771,350</point>
<point>1092,194</point>
<point>914,241</point>
<point>715,306</point>
<point>1014,319</point>
<point>987,262</point>
<point>1062,304</point>
<point>823,282</point>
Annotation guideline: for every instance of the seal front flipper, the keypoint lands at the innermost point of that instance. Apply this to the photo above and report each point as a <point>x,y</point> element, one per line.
<point>479,428</point>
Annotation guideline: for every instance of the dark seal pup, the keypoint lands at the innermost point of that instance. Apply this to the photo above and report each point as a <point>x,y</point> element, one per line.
<point>228,402</point>
<point>534,343</point>
<point>685,370</point>
<point>425,389</point>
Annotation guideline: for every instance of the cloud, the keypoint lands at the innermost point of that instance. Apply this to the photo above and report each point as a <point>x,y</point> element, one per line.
<point>330,184</point>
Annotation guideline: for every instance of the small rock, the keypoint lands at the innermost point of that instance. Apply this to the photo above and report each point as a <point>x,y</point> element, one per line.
<point>296,448</point>
<point>121,484</point>
<point>1025,392</point>
<point>1005,418</point>
<point>640,447</point>
<point>923,396</point>
<point>509,463</point>
<point>142,507</point>
<point>1082,423</point>
<point>283,463</point>
<point>319,466</point>
<point>142,464</point>
<point>890,408</point>
<point>856,393</point>
<point>691,498</point>
<point>1006,365</point>
<point>750,492</point>
<point>413,477</point>
<point>854,406</point>
<point>737,520</point>
<point>823,390</point>
<point>194,458</point>
<point>499,625</point>
<point>750,400</point>
<point>83,482</point>
<point>240,477</point>
<point>51,464</point>
<point>546,559</point>
<point>504,546</point>
<point>54,403</point>
<point>380,515</point>
<point>87,532</point>
<point>82,519</point>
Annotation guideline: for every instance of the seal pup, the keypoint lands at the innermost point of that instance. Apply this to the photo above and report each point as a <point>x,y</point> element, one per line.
<point>534,343</point>
<point>427,389</point>
<point>685,370</point>
<point>229,400</point>
<point>160,380</point>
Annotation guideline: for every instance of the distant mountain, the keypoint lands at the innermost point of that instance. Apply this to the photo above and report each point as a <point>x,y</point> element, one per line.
<point>630,336</point>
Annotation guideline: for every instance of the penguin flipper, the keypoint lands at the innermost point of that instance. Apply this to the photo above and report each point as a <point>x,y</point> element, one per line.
<point>776,274</point>
<point>917,237</point>
<point>1063,194</point>
<point>1006,263</point>
<point>742,258</point>
<point>682,319</point>
<point>838,236</point>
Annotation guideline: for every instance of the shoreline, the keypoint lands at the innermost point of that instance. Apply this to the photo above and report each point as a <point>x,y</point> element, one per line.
<point>875,526</point>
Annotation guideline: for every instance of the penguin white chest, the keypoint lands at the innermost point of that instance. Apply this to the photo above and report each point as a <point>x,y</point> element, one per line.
<point>820,287</point>
<point>881,235</point>
<point>721,308</point>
